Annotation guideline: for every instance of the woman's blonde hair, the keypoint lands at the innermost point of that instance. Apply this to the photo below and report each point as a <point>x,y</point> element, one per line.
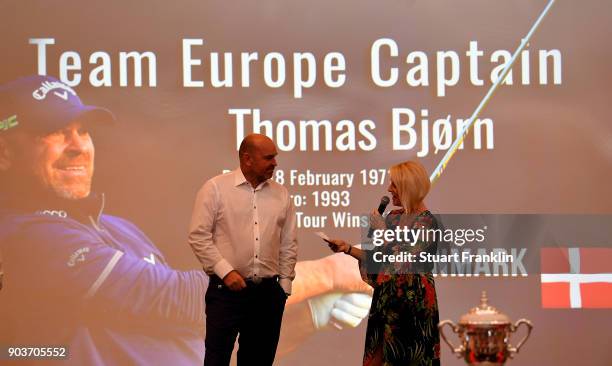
<point>412,183</point>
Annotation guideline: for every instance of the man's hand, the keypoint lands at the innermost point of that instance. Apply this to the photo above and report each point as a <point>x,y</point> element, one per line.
<point>334,273</point>
<point>344,274</point>
<point>234,281</point>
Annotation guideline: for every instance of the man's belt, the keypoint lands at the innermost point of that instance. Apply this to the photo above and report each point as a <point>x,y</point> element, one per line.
<point>251,281</point>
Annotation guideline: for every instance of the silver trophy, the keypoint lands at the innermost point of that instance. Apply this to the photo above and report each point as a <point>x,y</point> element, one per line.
<point>484,333</point>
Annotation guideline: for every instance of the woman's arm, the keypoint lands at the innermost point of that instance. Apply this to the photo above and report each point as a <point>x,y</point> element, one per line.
<point>340,246</point>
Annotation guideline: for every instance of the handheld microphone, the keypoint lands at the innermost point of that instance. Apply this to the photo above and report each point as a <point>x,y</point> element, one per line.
<point>384,201</point>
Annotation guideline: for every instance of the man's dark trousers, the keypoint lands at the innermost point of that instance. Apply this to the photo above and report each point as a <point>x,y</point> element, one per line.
<point>254,312</point>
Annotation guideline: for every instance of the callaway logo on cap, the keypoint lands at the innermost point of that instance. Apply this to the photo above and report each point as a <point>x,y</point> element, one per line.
<point>52,86</point>
<point>44,104</point>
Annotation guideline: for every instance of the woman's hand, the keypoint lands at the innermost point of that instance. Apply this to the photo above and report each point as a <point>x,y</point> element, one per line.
<point>338,245</point>
<point>377,222</point>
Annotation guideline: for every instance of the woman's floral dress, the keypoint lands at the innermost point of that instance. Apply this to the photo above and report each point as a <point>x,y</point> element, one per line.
<point>404,316</point>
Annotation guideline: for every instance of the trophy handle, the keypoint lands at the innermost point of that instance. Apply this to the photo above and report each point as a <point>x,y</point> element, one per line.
<point>516,325</point>
<point>455,350</point>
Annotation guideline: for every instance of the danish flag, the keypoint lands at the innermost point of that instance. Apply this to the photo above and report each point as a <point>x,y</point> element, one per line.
<point>576,278</point>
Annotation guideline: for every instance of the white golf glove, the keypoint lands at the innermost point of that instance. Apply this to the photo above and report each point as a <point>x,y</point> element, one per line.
<point>339,309</point>
<point>351,309</point>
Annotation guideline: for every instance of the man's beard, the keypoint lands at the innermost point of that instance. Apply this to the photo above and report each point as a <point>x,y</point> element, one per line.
<point>29,186</point>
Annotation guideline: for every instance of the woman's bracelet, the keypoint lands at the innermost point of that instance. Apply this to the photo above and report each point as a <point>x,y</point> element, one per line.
<point>349,250</point>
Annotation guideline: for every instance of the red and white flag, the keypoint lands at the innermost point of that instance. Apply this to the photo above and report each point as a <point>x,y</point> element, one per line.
<point>577,278</point>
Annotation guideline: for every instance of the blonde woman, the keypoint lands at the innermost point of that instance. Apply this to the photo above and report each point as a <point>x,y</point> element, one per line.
<point>402,326</point>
